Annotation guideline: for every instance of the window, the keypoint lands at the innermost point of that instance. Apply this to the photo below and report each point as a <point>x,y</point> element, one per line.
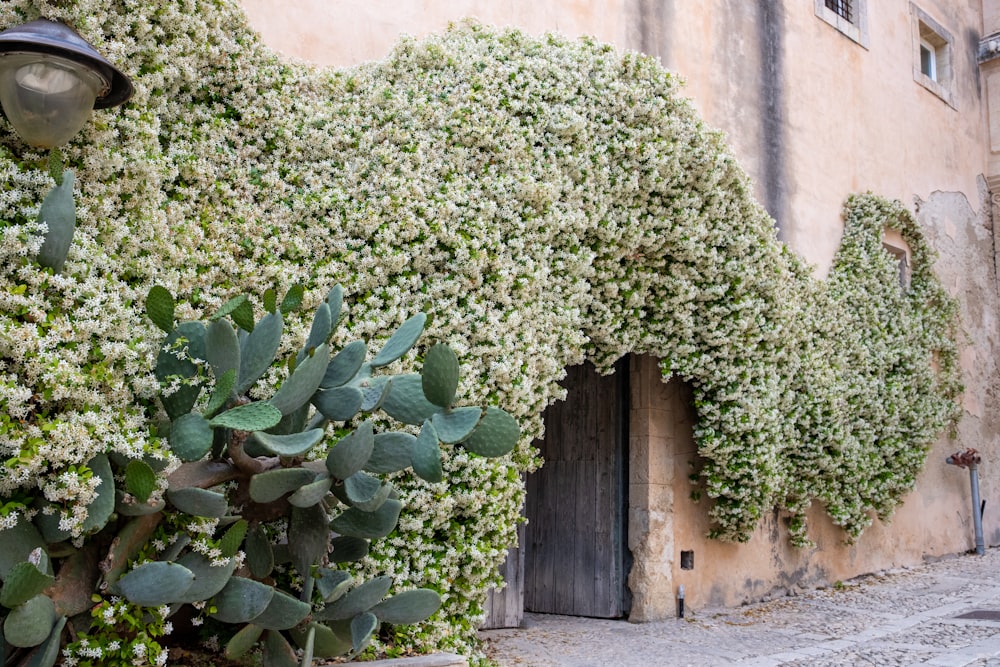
<point>900,256</point>
<point>928,60</point>
<point>841,8</point>
<point>932,55</point>
<point>850,17</point>
<point>899,251</point>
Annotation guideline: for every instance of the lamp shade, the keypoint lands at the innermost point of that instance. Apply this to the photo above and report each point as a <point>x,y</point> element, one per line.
<point>51,79</point>
<point>46,98</point>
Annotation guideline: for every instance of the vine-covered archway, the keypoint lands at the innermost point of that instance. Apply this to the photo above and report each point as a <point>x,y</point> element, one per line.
<point>545,201</point>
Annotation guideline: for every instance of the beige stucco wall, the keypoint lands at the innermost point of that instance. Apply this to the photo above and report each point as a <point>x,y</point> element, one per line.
<point>849,118</point>
<point>812,116</point>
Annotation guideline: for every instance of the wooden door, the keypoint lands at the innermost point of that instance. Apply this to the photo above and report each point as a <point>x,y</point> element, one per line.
<point>575,545</point>
<point>505,607</point>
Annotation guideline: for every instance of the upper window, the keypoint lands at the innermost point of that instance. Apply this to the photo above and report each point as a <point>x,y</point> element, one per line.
<point>850,17</point>
<point>841,8</point>
<point>932,55</point>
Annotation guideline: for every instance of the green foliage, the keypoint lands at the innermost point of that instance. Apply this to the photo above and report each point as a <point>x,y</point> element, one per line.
<point>326,512</point>
<point>550,202</point>
<point>58,212</point>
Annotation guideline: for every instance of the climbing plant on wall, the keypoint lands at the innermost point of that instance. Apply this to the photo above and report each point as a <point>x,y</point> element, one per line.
<point>544,201</point>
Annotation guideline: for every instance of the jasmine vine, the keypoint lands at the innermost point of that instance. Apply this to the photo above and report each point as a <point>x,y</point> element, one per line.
<point>547,201</point>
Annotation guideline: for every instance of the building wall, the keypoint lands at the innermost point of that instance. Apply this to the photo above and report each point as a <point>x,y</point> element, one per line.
<point>813,116</point>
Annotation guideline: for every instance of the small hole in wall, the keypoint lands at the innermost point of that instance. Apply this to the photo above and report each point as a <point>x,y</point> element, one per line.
<point>687,560</point>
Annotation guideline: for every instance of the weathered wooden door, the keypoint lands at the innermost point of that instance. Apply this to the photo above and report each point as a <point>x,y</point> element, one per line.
<point>575,545</point>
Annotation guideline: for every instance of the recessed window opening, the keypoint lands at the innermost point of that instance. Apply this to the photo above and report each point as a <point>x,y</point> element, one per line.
<point>841,8</point>
<point>849,17</point>
<point>928,60</point>
<point>932,55</point>
<point>900,256</point>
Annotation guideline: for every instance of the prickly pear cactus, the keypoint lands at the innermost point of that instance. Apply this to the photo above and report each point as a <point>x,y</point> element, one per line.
<point>251,460</point>
<point>282,482</point>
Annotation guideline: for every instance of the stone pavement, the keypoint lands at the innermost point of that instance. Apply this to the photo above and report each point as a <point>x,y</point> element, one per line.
<point>943,614</point>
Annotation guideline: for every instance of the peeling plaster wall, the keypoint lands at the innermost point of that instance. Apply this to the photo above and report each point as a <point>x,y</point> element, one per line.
<point>813,116</point>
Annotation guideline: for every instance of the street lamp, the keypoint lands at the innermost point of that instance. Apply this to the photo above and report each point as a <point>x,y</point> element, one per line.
<point>51,79</point>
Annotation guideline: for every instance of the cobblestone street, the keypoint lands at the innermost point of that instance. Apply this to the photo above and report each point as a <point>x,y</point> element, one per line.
<point>945,613</point>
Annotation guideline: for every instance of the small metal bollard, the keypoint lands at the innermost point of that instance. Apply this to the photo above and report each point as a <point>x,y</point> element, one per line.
<point>970,459</point>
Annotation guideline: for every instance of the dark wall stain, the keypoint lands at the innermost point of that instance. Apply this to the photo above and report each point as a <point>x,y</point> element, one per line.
<point>649,24</point>
<point>770,41</point>
<point>971,49</point>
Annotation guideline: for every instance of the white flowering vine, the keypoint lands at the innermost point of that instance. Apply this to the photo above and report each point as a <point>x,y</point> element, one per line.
<point>546,201</point>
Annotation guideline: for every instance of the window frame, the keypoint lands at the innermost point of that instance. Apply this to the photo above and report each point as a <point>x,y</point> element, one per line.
<point>929,35</point>
<point>855,27</point>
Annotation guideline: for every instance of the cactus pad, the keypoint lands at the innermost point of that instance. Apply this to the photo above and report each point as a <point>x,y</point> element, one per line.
<point>345,364</point>
<point>199,502</point>
<point>243,641</point>
<point>293,299</point>
<point>282,612</point>
<point>408,607</point>
<point>230,307</point>
<point>312,493</point>
<point>326,643</point>
<point>47,654</point>
<point>259,350</point>
<point>22,583</point>
<point>18,543</point>
<point>308,537</point>
<point>357,523</point>
<point>299,387</point>
<point>250,417</point>
<point>320,331</point>
<point>392,452</point>
<point>222,348</point>
<point>357,601</point>
<point>260,556</point>
<point>140,480</point>
<point>268,486</point>
<point>209,579</point>
<point>338,403</point>
<point>293,444</point>
<point>361,487</point>
<point>496,434</point>
<point>31,623</point>
<point>279,653</point>
<point>374,392</point>
<point>331,584</point>
<point>103,506</point>
<point>406,401</point>
<point>58,212</point>
<point>155,584</point>
<point>160,307</point>
<point>456,425</point>
<point>242,600</point>
<point>347,549</point>
<point>426,454</point>
<point>224,386</point>
<point>191,436</point>
<point>352,452</point>
<point>440,375</point>
<point>362,628</point>
<point>401,341</point>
